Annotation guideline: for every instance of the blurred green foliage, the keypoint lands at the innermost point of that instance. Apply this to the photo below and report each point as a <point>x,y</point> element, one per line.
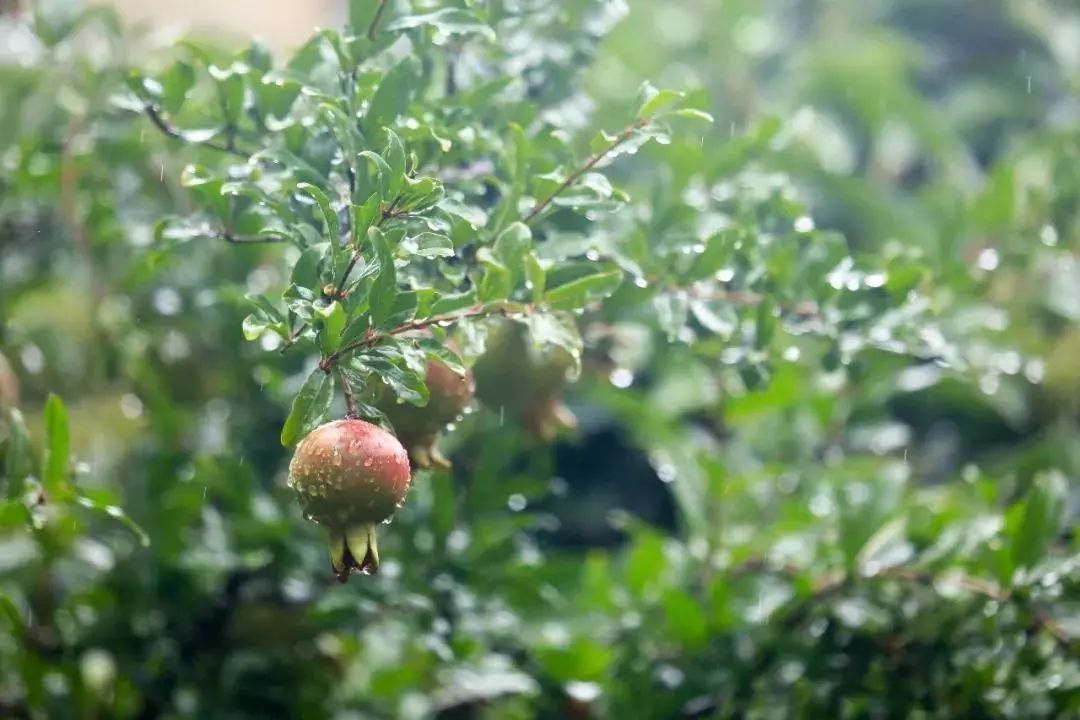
<point>828,409</point>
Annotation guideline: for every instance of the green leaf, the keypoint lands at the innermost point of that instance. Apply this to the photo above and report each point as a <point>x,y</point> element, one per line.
<point>116,513</point>
<point>766,323</point>
<point>385,174</point>
<point>265,307</point>
<point>384,291</point>
<point>672,311</point>
<point>361,14</point>
<point>420,193</point>
<point>453,302</point>
<point>580,292</point>
<point>230,85</point>
<point>535,277</point>
<point>685,619</point>
<point>1040,519</point>
<point>19,461</point>
<point>718,253</point>
<point>495,282</point>
<point>428,245</point>
<point>556,330</point>
<point>305,272</point>
<point>406,383</point>
<point>654,101</point>
<point>57,443</point>
<point>332,325</point>
<point>330,219</point>
<point>309,407</point>
<point>511,247</point>
<point>445,22</point>
<point>691,114</point>
<point>518,164</point>
<point>392,97</point>
<point>395,160</point>
<point>438,350</point>
<point>176,82</point>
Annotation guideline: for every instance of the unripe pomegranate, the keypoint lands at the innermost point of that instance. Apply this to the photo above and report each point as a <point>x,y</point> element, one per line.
<point>350,475</point>
<point>418,427</point>
<point>512,380</point>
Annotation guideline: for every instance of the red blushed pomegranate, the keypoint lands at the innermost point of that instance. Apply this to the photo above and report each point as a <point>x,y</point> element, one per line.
<point>350,475</point>
<point>418,427</point>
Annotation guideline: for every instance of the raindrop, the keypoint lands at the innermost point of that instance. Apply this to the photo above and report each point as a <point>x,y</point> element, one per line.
<point>641,282</point>
<point>875,280</point>
<point>32,358</point>
<point>517,502</point>
<point>988,259</point>
<point>1048,236</point>
<point>131,406</point>
<point>592,255</point>
<point>804,224</point>
<point>621,378</point>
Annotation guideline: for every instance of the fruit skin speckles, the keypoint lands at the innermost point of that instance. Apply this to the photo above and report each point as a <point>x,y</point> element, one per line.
<point>350,475</point>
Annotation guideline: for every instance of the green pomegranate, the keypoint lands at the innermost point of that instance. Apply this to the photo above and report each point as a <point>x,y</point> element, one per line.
<point>418,427</point>
<point>512,380</point>
<point>350,475</point>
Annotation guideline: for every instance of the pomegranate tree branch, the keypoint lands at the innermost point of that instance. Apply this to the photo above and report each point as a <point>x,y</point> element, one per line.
<point>593,160</point>
<point>374,338</point>
<point>168,129</point>
<point>375,19</point>
<point>831,582</point>
<point>748,298</point>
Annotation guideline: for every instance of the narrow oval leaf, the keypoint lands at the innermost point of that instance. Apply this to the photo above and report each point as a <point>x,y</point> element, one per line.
<point>309,407</point>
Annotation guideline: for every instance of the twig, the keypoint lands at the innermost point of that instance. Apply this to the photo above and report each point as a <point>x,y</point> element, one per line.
<point>348,269</point>
<point>589,165</point>
<point>829,583</point>
<point>251,239</point>
<point>346,390</point>
<point>804,308</point>
<point>291,340</point>
<point>164,126</point>
<point>374,338</point>
<point>375,19</point>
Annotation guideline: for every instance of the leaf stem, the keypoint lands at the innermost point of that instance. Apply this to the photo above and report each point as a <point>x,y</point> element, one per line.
<point>593,160</point>
<point>347,391</point>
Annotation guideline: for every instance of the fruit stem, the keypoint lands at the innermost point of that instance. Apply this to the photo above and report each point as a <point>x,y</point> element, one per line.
<point>346,390</point>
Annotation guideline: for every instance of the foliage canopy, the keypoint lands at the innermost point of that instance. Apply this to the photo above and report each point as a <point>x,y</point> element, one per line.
<point>823,353</point>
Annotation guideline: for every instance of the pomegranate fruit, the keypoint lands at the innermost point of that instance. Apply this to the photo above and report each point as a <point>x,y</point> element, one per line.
<point>512,380</point>
<point>350,475</point>
<point>418,427</point>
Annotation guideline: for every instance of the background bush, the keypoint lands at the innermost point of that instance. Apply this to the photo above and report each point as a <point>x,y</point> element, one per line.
<point>827,446</point>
